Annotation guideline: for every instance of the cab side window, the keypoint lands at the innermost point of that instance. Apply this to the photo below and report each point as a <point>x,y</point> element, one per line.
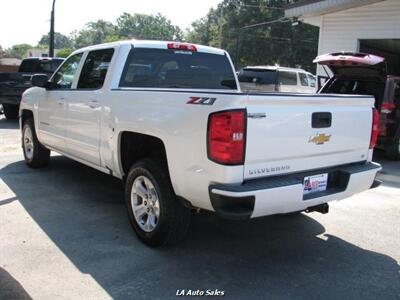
<point>311,80</point>
<point>303,79</point>
<point>287,78</point>
<point>95,68</point>
<point>64,77</point>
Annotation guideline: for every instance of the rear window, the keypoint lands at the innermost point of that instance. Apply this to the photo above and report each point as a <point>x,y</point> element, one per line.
<point>287,78</point>
<point>39,65</point>
<point>354,86</point>
<point>357,87</point>
<point>258,76</point>
<point>167,68</point>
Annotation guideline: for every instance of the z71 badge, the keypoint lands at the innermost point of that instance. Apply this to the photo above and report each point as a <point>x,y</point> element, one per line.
<point>201,100</point>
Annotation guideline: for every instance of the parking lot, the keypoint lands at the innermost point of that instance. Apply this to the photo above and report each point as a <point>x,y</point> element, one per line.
<point>64,234</point>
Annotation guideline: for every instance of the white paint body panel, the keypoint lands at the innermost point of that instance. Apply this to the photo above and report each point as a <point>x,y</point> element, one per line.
<point>92,135</point>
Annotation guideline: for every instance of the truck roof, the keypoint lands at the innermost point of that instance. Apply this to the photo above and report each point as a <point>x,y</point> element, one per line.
<point>151,44</point>
<point>45,58</point>
<point>274,68</point>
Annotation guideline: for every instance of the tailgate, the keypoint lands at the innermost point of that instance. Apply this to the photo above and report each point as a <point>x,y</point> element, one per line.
<point>292,133</point>
<point>14,84</point>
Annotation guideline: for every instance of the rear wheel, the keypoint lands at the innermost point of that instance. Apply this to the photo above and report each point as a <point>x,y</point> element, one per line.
<point>11,111</point>
<point>36,155</point>
<point>392,151</point>
<point>156,215</point>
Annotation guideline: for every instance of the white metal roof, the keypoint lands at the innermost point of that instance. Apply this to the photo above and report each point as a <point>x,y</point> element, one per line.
<point>313,8</point>
<point>151,44</point>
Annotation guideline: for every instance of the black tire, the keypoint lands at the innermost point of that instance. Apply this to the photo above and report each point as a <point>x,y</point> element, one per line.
<point>10,111</point>
<point>392,151</point>
<point>39,155</point>
<point>174,219</point>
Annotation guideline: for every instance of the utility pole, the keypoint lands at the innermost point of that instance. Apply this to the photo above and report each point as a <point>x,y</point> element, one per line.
<point>221,22</point>
<point>51,35</point>
<point>238,45</point>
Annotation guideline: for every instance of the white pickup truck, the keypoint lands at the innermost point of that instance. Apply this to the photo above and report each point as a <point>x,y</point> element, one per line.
<point>169,119</point>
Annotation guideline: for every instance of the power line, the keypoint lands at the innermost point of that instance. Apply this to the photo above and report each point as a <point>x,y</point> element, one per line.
<point>283,20</point>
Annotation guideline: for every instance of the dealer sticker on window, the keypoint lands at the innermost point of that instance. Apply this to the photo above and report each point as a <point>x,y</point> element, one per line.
<point>315,183</point>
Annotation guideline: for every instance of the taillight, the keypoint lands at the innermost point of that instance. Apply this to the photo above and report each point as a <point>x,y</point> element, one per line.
<point>387,107</point>
<point>182,46</point>
<point>375,128</point>
<point>226,137</point>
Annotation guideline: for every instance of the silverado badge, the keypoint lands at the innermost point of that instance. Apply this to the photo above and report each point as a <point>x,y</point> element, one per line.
<point>319,138</point>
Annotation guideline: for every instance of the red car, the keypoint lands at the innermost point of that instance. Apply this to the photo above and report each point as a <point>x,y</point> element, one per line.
<point>365,74</point>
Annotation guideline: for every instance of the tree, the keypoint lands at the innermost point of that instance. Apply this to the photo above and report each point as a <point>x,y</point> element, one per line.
<point>152,27</point>
<point>19,50</point>
<point>60,41</point>
<point>94,33</point>
<point>64,52</point>
<point>275,43</point>
<point>205,30</point>
<point>2,52</point>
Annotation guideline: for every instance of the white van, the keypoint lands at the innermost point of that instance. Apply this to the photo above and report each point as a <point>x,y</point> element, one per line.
<point>276,79</point>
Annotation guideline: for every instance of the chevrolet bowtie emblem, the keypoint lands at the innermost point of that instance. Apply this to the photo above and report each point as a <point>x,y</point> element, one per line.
<point>319,138</point>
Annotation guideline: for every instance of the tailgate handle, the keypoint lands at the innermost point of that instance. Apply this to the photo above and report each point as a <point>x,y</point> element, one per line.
<point>321,120</point>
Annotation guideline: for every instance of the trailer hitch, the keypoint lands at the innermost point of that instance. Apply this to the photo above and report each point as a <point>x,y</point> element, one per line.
<point>321,208</point>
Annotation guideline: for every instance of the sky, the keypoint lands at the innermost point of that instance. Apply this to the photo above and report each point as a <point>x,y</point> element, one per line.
<point>25,21</point>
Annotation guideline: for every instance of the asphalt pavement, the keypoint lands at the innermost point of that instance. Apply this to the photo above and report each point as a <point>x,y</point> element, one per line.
<point>64,234</point>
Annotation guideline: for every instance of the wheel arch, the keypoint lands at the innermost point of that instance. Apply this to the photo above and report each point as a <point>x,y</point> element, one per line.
<point>133,146</point>
<point>26,114</point>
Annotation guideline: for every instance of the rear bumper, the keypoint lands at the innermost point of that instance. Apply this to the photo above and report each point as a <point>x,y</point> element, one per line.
<point>284,194</point>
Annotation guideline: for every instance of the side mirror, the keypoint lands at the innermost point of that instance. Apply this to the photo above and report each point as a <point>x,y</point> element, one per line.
<point>40,80</point>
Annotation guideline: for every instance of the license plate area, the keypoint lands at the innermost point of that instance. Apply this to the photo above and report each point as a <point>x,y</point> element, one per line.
<point>315,183</point>
<point>323,184</point>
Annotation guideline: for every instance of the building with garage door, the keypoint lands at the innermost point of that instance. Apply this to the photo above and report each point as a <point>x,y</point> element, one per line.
<point>370,26</point>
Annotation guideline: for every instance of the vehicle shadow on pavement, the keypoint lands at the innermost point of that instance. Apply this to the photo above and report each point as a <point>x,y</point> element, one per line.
<point>11,288</point>
<point>279,257</point>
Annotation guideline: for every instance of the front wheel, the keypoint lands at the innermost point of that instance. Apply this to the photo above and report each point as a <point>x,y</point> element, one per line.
<point>35,154</point>
<point>156,215</point>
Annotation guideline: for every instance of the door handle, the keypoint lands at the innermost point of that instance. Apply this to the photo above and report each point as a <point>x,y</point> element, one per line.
<point>93,104</point>
<point>60,101</point>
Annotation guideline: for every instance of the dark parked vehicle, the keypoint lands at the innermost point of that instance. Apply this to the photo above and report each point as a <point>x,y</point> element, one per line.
<point>360,73</point>
<point>12,85</point>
